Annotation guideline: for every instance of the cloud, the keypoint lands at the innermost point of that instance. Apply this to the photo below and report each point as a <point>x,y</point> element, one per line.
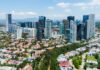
<point>94,2</point>
<point>18,14</point>
<point>50,8</point>
<point>81,5</point>
<point>67,10</point>
<point>21,14</point>
<point>90,5</point>
<point>63,5</point>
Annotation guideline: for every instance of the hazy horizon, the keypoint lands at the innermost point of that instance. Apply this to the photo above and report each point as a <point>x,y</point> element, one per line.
<point>50,8</point>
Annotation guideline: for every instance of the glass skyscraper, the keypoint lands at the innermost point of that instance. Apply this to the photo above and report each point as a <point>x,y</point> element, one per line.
<point>80,30</point>
<point>65,27</point>
<point>71,31</point>
<point>89,26</point>
<point>8,22</point>
<point>40,26</point>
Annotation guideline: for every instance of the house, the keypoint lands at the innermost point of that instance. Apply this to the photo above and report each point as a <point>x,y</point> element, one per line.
<point>65,65</point>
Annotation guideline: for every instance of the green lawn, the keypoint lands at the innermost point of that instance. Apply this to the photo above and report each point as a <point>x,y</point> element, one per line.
<point>91,58</point>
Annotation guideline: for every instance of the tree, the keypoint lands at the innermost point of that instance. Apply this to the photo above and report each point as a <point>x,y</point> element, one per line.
<point>85,66</point>
<point>77,61</point>
<point>96,56</point>
<point>98,63</point>
<point>24,35</point>
<point>5,39</point>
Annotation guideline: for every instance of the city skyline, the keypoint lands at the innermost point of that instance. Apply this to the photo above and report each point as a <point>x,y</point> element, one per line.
<point>49,8</point>
<point>49,34</point>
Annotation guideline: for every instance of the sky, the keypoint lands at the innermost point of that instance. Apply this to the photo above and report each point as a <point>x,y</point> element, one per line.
<point>49,8</point>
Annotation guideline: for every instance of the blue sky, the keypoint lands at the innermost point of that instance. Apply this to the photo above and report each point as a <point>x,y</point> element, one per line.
<point>49,8</point>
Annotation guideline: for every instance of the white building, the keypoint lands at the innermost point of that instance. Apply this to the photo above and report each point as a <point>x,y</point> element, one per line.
<point>3,28</point>
<point>91,26</point>
<point>48,30</point>
<point>73,31</point>
<point>30,31</point>
<point>89,22</point>
<point>19,33</point>
<point>55,32</point>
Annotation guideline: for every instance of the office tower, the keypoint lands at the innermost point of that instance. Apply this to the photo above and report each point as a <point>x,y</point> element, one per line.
<point>70,18</point>
<point>92,25</point>
<point>40,26</point>
<point>72,29</point>
<point>89,26</point>
<point>26,24</point>
<point>65,27</point>
<point>8,22</point>
<point>48,30</point>
<point>61,26</point>
<point>80,30</point>
<point>33,24</point>
<point>29,24</point>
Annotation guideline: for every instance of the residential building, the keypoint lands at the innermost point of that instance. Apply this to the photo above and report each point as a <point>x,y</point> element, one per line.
<point>31,32</point>
<point>55,32</point>
<point>19,33</point>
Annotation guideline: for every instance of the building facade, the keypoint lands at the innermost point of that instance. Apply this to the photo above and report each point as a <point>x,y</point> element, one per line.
<point>71,29</point>
<point>89,26</point>
<point>8,22</point>
<point>65,27</point>
<point>48,30</point>
<point>40,26</point>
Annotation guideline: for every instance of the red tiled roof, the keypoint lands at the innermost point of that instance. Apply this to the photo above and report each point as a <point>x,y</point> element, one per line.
<point>64,63</point>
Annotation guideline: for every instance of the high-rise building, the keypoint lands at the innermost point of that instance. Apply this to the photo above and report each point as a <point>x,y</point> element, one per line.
<point>89,26</point>
<point>19,33</point>
<point>70,18</point>
<point>65,27</point>
<point>48,30</point>
<point>80,30</point>
<point>72,29</point>
<point>41,28</point>
<point>61,26</point>
<point>26,24</point>
<point>31,32</point>
<point>8,22</point>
